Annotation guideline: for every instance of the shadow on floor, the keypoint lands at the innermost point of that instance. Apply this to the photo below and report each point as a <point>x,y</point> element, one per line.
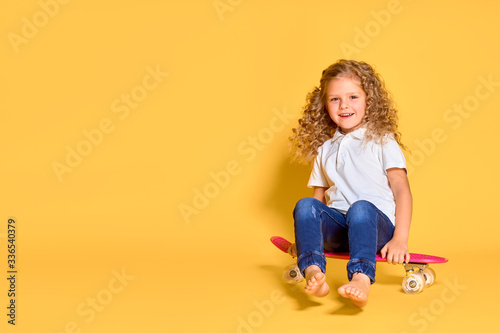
<point>305,301</point>
<point>347,309</point>
<point>294,291</point>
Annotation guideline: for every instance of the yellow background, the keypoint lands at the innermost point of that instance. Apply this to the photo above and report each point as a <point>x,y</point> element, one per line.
<point>231,71</point>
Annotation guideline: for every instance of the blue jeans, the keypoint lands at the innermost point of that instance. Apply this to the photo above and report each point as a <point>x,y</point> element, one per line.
<point>362,231</point>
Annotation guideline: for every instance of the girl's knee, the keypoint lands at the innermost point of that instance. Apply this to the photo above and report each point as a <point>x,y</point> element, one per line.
<point>362,206</point>
<point>361,210</point>
<point>307,207</point>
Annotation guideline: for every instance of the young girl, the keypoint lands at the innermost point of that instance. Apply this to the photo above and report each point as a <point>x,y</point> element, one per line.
<point>361,202</point>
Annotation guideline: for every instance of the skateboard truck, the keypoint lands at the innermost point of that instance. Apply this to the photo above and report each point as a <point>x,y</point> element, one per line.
<point>414,268</point>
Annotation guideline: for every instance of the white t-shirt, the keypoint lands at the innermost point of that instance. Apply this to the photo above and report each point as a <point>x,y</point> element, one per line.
<point>355,169</point>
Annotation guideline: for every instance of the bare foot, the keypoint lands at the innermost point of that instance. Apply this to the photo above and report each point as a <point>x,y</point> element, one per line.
<point>357,289</point>
<point>316,282</point>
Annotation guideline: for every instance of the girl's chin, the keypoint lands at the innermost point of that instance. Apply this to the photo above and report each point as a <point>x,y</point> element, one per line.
<point>348,129</point>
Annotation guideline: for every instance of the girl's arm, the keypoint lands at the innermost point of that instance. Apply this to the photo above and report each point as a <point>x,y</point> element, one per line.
<point>319,193</point>
<point>396,250</point>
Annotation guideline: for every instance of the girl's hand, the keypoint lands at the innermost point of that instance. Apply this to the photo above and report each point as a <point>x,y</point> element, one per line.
<point>396,252</point>
<point>292,250</point>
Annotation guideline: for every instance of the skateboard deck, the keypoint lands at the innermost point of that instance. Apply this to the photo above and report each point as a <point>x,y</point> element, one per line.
<point>418,273</point>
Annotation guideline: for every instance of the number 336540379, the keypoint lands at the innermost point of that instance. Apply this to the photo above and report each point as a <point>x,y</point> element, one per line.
<point>11,240</point>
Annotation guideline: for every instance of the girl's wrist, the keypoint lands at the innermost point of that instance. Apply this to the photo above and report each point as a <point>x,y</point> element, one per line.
<point>400,238</point>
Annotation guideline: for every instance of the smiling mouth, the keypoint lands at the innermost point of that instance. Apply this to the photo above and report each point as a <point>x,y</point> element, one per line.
<point>345,115</point>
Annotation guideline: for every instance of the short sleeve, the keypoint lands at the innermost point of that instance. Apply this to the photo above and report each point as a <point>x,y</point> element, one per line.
<point>392,156</point>
<point>317,177</point>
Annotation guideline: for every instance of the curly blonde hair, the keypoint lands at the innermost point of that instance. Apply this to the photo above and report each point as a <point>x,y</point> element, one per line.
<point>316,126</point>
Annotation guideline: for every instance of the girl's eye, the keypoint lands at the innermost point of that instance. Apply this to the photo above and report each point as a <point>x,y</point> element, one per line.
<point>334,99</point>
<point>354,97</point>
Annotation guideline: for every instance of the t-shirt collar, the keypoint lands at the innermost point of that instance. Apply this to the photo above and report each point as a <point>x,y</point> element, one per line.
<point>358,134</point>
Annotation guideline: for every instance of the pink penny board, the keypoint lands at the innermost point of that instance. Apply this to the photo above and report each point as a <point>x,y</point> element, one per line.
<point>415,258</point>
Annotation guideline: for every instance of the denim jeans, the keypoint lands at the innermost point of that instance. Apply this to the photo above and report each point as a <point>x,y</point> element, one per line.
<point>362,231</point>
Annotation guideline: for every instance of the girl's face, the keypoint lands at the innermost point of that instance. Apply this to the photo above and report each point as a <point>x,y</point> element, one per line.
<point>346,103</point>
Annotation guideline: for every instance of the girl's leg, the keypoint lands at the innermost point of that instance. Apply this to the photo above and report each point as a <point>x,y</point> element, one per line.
<point>317,227</point>
<point>369,230</point>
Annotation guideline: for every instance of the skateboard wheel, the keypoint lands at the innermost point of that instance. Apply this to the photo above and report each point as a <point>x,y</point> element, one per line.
<point>413,283</point>
<point>292,274</point>
<point>429,276</point>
